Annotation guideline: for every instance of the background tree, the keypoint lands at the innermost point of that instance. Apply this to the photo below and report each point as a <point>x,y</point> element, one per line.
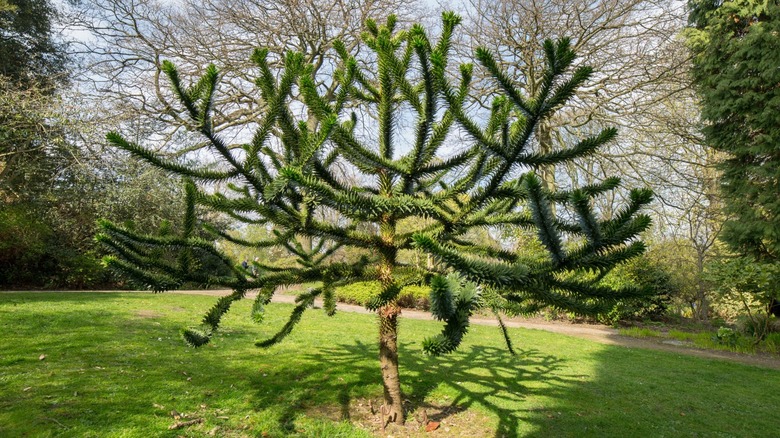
<point>637,62</point>
<point>735,45</point>
<point>129,39</point>
<point>53,187</point>
<point>643,87</point>
<point>746,289</point>
<point>32,137</point>
<point>53,191</point>
<point>32,66</point>
<point>439,190</point>
<point>30,53</point>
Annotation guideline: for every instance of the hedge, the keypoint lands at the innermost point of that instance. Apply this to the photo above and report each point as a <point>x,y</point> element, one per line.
<point>415,297</point>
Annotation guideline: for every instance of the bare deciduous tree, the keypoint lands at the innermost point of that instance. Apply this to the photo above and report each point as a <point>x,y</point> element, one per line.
<point>631,45</point>
<point>124,43</point>
<point>643,87</point>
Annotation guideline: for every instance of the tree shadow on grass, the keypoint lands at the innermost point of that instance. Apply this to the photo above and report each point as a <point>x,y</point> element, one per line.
<point>647,393</point>
<point>108,370</point>
<point>104,370</point>
<point>484,377</point>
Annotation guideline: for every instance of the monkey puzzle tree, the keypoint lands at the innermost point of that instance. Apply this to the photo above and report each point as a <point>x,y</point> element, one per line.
<point>417,189</point>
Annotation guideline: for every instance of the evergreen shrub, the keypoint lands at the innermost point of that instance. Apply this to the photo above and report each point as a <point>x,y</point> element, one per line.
<point>413,296</point>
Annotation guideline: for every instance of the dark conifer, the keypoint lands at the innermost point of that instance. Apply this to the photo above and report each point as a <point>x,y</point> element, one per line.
<point>736,71</point>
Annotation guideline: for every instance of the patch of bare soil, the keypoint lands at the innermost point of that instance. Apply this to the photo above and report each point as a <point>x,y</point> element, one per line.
<point>425,420</point>
<point>147,314</point>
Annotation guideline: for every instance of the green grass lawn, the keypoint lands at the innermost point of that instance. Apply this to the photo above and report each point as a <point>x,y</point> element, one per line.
<point>707,339</point>
<point>115,365</point>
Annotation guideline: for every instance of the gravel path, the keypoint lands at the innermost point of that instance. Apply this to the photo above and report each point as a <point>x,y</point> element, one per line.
<point>593,332</point>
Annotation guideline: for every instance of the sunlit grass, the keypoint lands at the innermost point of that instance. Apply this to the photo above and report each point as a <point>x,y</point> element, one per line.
<point>115,366</point>
<point>641,332</point>
<point>708,340</point>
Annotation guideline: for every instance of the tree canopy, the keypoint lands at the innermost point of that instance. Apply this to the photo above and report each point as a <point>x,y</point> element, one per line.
<point>735,68</point>
<point>29,51</point>
<point>422,187</point>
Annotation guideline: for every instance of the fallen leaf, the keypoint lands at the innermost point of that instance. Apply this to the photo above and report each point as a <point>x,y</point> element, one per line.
<point>42,357</point>
<point>431,426</point>
<point>181,424</point>
<point>27,389</point>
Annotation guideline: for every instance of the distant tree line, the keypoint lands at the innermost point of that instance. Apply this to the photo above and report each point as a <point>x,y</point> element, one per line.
<point>52,187</point>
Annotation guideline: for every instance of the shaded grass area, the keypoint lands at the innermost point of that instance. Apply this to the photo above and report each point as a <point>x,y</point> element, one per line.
<point>115,366</point>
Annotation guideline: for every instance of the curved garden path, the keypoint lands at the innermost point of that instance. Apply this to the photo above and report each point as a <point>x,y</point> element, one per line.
<point>594,332</point>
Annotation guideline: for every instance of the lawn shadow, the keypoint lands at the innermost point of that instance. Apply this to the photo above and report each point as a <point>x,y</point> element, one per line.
<point>106,368</point>
<point>642,392</point>
<point>488,378</point>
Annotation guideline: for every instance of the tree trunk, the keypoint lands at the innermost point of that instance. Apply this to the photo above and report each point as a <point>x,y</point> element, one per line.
<point>547,172</point>
<point>703,312</point>
<point>393,408</point>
